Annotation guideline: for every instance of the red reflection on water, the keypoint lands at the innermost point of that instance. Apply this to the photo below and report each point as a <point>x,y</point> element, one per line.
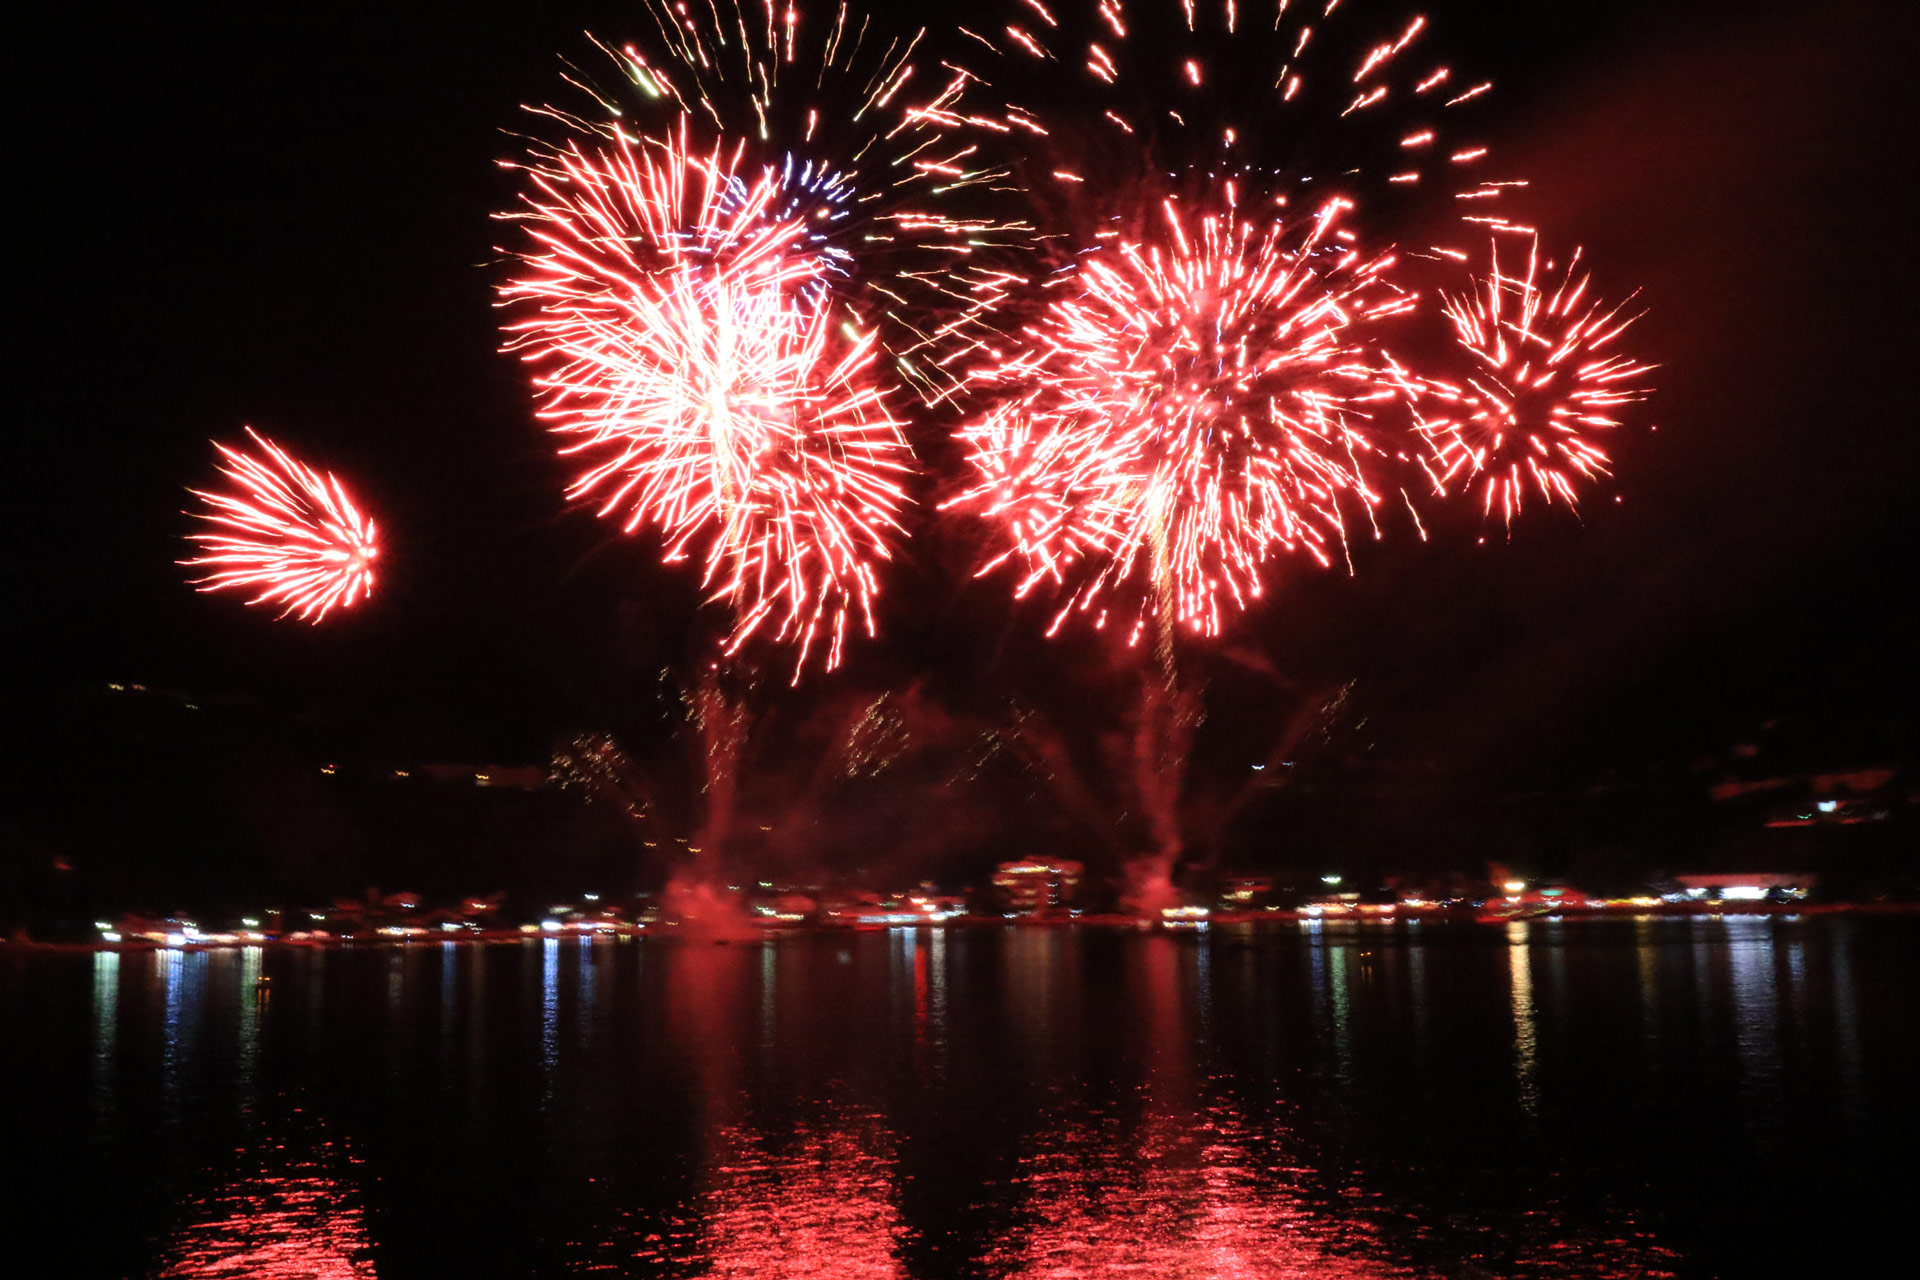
<point>1182,1191</point>
<point>823,1207</point>
<point>294,1226</point>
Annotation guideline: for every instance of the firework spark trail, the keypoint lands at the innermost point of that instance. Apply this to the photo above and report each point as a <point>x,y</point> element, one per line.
<point>1302,100</point>
<point>284,530</point>
<point>1544,380</point>
<point>677,357</point>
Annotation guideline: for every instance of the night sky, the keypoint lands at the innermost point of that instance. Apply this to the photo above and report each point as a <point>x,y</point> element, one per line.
<point>278,215</point>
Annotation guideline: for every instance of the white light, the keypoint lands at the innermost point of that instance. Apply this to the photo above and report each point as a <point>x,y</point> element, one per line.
<point>1743,892</point>
<point>1329,879</point>
<point>176,939</point>
<point>550,926</point>
<point>250,922</point>
<point>592,897</point>
<point>1827,806</point>
<point>110,935</point>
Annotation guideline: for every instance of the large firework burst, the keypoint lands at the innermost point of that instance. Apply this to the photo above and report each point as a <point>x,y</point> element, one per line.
<point>679,358</point>
<point>287,532</point>
<point>1189,404</point>
<point>1543,385</point>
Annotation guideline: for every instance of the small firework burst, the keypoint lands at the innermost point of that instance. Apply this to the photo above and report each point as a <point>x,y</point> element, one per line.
<point>283,530</point>
<point>1544,383</point>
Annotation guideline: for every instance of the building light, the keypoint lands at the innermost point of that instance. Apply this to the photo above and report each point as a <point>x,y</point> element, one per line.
<point>109,935</point>
<point>1827,806</point>
<point>250,922</point>
<point>1515,886</point>
<point>1743,892</point>
<point>1329,879</point>
<point>176,939</point>
<point>550,925</point>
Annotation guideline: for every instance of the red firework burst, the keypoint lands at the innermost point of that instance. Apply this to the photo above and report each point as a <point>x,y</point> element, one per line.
<point>285,530</point>
<point>680,354</point>
<point>1194,402</point>
<point>1545,382</point>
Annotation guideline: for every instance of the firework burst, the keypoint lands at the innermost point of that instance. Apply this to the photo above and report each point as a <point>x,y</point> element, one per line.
<point>1544,383</point>
<point>283,530</point>
<point>679,359</point>
<point>1189,405</point>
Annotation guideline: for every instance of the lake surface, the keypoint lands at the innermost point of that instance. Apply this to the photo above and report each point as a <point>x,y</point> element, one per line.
<point>1687,1097</point>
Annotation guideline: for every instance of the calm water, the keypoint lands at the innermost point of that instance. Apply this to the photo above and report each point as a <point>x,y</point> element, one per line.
<point>1674,1098</point>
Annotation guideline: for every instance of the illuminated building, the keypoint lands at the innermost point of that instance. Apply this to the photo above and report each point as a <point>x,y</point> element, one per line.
<point>1033,887</point>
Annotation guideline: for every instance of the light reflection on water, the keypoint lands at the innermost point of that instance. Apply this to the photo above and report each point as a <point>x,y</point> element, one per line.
<point>287,1222</point>
<point>1526,1048</point>
<point>1018,1103</point>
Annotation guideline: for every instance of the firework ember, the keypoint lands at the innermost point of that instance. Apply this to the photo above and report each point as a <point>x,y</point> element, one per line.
<point>287,532</point>
<point>1544,383</point>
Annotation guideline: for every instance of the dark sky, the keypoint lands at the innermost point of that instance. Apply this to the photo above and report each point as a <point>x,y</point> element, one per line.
<point>277,214</point>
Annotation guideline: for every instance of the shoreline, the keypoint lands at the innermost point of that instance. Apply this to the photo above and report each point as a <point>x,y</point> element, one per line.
<point>749,930</point>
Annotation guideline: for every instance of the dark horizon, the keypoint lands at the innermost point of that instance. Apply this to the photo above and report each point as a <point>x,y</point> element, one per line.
<point>281,218</point>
